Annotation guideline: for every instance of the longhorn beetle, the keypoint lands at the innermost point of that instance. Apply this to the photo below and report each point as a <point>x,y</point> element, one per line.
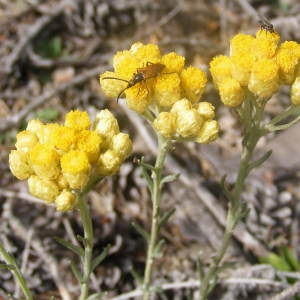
<point>151,70</point>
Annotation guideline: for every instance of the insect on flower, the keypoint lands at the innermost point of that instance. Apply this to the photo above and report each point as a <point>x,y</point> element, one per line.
<point>151,70</point>
<point>266,25</point>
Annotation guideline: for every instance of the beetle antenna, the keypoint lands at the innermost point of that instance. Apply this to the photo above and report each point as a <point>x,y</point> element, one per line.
<point>120,94</point>
<point>116,79</point>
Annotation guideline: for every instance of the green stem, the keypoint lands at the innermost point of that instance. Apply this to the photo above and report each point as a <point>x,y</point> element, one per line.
<point>9,259</point>
<point>163,146</point>
<point>237,209</point>
<point>88,245</point>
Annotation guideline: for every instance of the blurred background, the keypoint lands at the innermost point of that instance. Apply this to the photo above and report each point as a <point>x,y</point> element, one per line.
<point>51,55</point>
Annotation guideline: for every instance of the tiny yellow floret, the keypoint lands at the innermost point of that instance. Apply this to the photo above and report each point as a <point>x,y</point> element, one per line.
<point>78,120</point>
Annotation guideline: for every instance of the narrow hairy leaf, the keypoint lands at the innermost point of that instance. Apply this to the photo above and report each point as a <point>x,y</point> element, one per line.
<point>76,249</point>
<point>98,259</point>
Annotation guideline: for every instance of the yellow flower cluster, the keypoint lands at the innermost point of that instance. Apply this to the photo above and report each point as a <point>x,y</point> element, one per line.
<point>256,64</point>
<point>59,160</point>
<point>160,84</point>
<point>188,121</point>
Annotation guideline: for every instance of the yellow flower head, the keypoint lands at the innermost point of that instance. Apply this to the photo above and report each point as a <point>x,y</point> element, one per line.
<point>241,67</point>
<point>220,68</point>
<point>287,59</point>
<point>89,142</point>
<point>264,79</point>
<point>165,124</point>
<point>78,120</point>
<point>58,159</point>
<point>167,90</point>
<point>44,161</point>
<point>295,93</point>
<point>62,137</point>
<point>75,168</point>
<point>193,82</point>
<point>231,92</point>
<point>241,44</point>
<point>173,62</point>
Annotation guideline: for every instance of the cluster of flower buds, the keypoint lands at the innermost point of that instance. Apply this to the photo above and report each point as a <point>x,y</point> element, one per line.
<point>257,64</point>
<point>186,121</point>
<point>60,160</point>
<point>160,84</point>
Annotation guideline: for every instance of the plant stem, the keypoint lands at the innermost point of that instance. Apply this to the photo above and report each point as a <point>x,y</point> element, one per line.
<point>88,245</point>
<point>10,261</point>
<point>163,147</point>
<point>237,209</point>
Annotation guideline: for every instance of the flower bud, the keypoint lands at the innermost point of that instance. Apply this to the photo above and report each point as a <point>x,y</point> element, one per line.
<point>165,124</point>
<point>65,201</point>
<point>121,144</point>
<point>43,188</point>
<point>206,110</point>
<point>295,92</point>
<point>208,132</point>
<point>188,123</point>
<point>231,92</point>
<point>108,163</point>
<point>19,165</point>
<point>26,140</point>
